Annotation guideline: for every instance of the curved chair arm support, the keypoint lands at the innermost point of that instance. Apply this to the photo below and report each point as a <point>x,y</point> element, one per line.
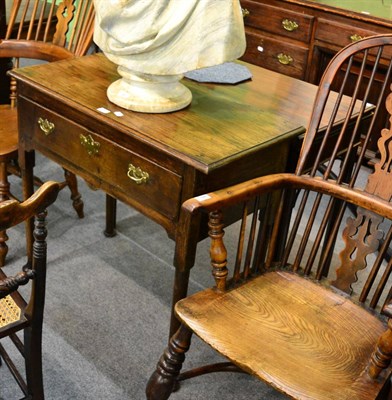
<point>12,283</point>
<point>387,307</point>
<point>34,50</point>
<point>381,358</point>
<point>12,212</point>
<point>265,184</point>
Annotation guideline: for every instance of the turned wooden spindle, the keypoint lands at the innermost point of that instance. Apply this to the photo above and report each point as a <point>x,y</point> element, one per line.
<point>218,252</point>
<point>12,283</point>
<point>381,358</point>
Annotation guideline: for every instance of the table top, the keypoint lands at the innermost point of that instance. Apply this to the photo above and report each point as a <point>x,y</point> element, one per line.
<point>223,122</point>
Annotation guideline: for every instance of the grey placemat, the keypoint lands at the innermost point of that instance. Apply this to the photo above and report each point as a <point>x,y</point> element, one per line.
<point>230,73</point>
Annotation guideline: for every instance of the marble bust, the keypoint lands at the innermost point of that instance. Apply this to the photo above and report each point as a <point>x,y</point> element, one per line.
<point>154,42</point>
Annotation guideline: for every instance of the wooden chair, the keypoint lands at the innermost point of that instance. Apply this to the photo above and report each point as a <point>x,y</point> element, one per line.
<point>41,30</point>
<point>305,306</point>
<point>15,313</point>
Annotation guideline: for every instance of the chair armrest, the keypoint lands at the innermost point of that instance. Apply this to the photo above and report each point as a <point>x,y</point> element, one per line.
<point>246,190</point>
<point>34,50</point>
<point>12,283</point>
<point>12,212</point>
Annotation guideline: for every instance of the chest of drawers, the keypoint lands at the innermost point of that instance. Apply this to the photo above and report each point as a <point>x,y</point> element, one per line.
<point>277,39</point>
<point>299,37</point>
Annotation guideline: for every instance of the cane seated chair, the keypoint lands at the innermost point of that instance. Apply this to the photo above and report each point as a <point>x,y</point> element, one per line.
<point>48,31</point>
<point>17,314</point>
<point>305,307</point>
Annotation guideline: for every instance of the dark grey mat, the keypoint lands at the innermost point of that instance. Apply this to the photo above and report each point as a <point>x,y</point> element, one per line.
<point>227,73</point>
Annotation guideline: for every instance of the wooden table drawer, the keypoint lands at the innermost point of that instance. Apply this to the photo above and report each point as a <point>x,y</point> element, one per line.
<point>278,21</point>
<point>339,34</point>
<point>151,185</point>
<point>275,55</point>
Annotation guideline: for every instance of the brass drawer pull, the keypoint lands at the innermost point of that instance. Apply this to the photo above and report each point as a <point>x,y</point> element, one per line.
<point>137,175</point>
<point>245,12</point>
<point>289,25</point>
<point>46,126</point>
<point>355,37</point>
<point>285,59</point>
<point>90,144</point>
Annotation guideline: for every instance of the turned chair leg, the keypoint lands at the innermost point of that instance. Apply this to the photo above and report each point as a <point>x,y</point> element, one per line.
<point>33,362</point>
<point>163,382</point>
<point>111,216</point>
<point>76,197</point>
<point>3,247</point>
<point>4,195</point>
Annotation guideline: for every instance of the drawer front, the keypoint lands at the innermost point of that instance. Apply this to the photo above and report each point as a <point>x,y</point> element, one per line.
<point>340,34</point>
<point>273,54</point>
<point>145,182</point>
<point>277,20</point>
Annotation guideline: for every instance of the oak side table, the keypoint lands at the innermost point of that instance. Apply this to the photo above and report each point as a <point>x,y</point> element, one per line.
<point>154,162</point>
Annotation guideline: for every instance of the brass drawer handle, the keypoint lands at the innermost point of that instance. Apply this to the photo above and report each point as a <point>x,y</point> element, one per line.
<point>285,59</point>
<point>137,175</point>
<point>90,144</point>
<point>355,37</point>
<point>46,126</point>
<point>245,12</point>
<point>289,25</point>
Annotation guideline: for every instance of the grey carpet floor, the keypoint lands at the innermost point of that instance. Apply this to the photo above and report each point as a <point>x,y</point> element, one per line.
<point>108,306</point>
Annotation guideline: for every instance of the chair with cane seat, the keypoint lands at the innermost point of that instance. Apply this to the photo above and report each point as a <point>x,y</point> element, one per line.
<point>48,31</point>
<point>17,314</point>
<point>305,306</point>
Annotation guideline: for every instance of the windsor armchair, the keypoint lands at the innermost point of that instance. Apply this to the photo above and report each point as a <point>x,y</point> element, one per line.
<point>15,313</point>
<point>47,31</point>
<point>305,307</point>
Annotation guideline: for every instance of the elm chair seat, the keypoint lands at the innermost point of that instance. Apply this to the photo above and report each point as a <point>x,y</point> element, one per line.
<point>304,322</point>
<point>8,133</point>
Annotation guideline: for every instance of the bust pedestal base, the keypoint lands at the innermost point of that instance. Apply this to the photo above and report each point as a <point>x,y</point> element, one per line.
<point>149,93</point>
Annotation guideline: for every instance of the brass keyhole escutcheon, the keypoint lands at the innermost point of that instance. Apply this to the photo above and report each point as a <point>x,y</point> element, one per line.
<point>46,126</point>
<point>90,144</point>
<point>137,175</point>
